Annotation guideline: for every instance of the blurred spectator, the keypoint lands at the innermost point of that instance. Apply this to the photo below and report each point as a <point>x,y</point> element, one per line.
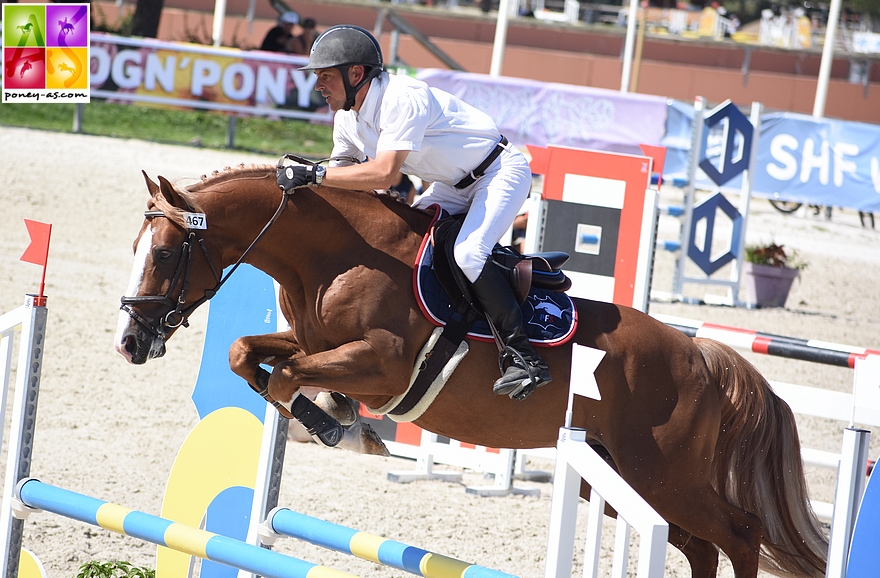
<point>733,24</point>
<point>302,43</point>
<point>280,38</point>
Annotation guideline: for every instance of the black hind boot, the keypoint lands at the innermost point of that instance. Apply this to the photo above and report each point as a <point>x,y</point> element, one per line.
<point>524,370</point>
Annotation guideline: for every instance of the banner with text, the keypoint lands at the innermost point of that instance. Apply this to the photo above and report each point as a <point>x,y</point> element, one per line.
<point>45,53</point>
<point>801,159</point>
<point>819,161</point>
<point>198,76</point>
<point>544,113</point>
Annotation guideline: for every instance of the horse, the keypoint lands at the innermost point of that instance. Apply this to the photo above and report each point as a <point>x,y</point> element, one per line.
<point>689,423</point>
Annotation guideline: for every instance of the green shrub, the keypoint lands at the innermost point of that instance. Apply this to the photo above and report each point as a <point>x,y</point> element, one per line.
<point>114,570</point>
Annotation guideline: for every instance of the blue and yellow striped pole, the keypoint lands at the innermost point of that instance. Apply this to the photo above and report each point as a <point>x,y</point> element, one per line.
<point>35,494</point>
<point>374,548</point>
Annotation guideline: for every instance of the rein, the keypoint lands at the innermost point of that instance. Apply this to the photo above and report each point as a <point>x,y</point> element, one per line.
<point>179,315</point>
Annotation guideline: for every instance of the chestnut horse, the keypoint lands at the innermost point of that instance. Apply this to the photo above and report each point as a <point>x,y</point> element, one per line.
<point>688,423</point>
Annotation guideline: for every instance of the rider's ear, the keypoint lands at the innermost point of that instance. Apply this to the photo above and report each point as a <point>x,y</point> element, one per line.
<point>151,186</point>
<point>170,192</point>
<point>356,73</point>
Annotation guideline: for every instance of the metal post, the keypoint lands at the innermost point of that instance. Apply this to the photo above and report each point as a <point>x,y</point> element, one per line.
<point>747,63</point>
<point>21,434</point>
<point>851,484</point>
<point>827,60</point>
<point>637,58</point>
<point>500,38</point>
<point>745,197</point>
<point>628,45</point>
<point>693,163</point>
<point>219,15</point>
<point>77,118</point>
<point>395,44</point>
<point>268,484</point>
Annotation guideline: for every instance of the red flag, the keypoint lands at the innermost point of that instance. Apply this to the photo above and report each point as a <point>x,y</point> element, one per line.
<point>38,251</point>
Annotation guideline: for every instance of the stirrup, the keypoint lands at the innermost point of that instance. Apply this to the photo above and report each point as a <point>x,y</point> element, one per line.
<point>519,387</point>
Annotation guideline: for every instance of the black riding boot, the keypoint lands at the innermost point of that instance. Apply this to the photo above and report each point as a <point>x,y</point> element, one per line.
<point>525,370</point>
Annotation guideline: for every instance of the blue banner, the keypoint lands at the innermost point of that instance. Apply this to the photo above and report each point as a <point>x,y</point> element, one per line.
<point>801,159</point>
<point>819,161</point>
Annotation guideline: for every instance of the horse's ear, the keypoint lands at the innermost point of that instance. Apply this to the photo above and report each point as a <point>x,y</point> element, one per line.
<point>170,192</point>
<point>151,186</point>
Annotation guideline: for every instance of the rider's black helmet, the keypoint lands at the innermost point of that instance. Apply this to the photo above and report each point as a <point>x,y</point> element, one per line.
<point>342,47</point>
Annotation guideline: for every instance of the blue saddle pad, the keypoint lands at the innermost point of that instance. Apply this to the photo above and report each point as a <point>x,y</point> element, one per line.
<point>550,317</point>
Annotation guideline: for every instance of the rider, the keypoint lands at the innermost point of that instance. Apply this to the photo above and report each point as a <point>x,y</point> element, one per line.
<point>402,125</point>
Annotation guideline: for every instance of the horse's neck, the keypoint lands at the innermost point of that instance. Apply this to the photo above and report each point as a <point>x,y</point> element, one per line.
<point>327,230</point>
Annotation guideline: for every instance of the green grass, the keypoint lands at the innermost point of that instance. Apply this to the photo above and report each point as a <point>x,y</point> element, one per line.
<point>197,128</point>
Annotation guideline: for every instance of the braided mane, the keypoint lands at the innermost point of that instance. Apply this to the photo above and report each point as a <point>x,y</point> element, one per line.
<point>228,174</point>
<point>190,193</point>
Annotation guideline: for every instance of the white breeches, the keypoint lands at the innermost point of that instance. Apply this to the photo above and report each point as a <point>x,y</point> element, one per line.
<point>492,203</point>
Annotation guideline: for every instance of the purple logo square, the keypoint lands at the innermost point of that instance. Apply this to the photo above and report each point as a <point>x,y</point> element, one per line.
<point>67,25</point>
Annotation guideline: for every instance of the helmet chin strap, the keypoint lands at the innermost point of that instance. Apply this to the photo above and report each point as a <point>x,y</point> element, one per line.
<point>351,91</point>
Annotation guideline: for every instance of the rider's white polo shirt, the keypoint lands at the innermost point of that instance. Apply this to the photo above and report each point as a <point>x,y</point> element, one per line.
<point>446,136</point>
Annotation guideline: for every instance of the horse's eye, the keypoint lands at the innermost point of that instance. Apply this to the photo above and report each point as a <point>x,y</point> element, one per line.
<point>162,255</point>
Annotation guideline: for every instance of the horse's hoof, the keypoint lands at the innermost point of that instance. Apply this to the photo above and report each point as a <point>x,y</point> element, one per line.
<point>373,444</point>
<point>362,439</point>
<point>337,406</point>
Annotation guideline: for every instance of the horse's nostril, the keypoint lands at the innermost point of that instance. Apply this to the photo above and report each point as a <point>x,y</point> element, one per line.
<point>130,344</point>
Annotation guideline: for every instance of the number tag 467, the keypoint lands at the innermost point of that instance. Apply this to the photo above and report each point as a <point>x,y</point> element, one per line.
<point>195,220</point>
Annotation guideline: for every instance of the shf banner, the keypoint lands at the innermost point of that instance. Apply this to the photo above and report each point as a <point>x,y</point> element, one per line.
<point>198,76</point>
<point>45,53</point>
<point>827,162</point>
<point>819,161</point>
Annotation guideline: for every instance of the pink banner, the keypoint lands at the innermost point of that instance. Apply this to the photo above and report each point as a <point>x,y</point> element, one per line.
<point>542,113</point>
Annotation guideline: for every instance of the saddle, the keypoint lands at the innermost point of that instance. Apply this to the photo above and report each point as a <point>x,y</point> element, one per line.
<point>523,272</point>
<point>536,280</point>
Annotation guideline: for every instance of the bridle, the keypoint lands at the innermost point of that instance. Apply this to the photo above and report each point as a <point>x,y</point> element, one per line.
<point>178,314</point>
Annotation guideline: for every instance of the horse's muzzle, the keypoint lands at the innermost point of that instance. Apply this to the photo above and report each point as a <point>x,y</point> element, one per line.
<point>137,347</point>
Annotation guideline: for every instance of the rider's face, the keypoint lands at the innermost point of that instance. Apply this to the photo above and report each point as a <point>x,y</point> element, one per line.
<point>330,86</point>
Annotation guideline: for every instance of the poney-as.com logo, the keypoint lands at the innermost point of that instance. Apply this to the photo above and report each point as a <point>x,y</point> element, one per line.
<point>45,53</point>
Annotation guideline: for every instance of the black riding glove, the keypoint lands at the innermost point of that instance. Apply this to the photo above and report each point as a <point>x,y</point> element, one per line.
<point>297,176</point>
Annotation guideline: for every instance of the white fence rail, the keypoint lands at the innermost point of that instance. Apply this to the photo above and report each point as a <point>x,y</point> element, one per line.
<point>575,460</point>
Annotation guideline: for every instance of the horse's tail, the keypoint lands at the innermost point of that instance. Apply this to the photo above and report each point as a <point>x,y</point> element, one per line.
<point>758,465</point>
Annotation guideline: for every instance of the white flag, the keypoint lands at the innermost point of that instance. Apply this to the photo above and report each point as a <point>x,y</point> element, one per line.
<point>584,361</point>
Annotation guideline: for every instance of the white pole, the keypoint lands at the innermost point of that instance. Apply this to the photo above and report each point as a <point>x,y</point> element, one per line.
<point>252,6</point>
<point>500,38</point>
<point>827,60</point>
<point>628,47</point>
<point>219,15</point>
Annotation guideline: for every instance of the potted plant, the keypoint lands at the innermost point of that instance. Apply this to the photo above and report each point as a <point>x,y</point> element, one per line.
<point>768,272</point>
